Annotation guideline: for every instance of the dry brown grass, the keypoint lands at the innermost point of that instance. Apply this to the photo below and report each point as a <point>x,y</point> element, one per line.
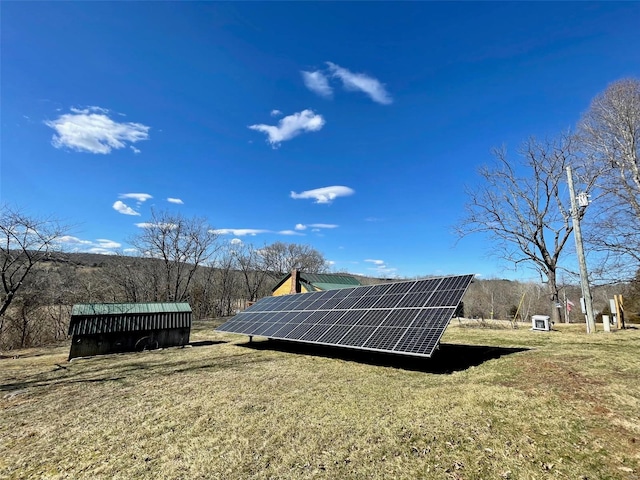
<point>569,407</point>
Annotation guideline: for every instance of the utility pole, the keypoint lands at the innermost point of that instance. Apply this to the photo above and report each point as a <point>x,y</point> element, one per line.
<point>584,279</point>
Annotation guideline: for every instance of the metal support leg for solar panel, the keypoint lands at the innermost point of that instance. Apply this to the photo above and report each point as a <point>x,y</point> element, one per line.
<point>250,338</point>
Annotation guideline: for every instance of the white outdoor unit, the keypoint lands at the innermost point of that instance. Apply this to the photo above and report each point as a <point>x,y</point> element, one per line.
<point>540,322</point>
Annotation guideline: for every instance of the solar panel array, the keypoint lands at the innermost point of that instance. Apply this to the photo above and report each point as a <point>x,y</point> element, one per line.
<point>404,317</point>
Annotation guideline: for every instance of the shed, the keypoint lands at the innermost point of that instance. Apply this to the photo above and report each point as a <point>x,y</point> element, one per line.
<point>101,328</point>
<point>299,282</point>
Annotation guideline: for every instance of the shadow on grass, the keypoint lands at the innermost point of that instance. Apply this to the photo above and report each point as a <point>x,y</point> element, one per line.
<point>447,359</point>
<point>205,343</point>
<point>103,369</point>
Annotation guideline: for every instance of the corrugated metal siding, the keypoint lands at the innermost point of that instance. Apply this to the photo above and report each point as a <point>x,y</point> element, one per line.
<point>128,322</point>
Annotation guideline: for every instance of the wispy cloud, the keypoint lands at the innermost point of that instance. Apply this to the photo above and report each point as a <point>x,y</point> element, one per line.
<point>291,126</point>
<point>235,241</point>
<point>92,130</point>
<point>324,194</point>
<point>315,226</point>
<point>375,262</point>
<point>139,197</point>
<point>318,83</point>
<point>239,232</point>
<point>177,201</point>
<point>123,208</point>
<point>252,232</point>
<point>362,82</point>
<point>381,269</point>
<point>101,245</point>
<point>275,112</point>
<point>170,226</point>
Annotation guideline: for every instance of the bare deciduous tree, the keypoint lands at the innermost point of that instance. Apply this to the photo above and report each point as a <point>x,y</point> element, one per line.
<point>182,244</point>
<point>251,262</point>
<point>25,242</point>
<point>280,258</point>
<point>610,138</point>
<point>523,209</point>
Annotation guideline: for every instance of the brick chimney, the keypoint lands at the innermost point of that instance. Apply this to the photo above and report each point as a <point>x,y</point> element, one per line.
<point>295,281</point>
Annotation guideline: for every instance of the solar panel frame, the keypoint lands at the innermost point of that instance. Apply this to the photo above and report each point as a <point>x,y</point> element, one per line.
<point>407,318</point>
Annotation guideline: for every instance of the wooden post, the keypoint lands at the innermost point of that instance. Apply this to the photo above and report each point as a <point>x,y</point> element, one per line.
<point>620,310</point>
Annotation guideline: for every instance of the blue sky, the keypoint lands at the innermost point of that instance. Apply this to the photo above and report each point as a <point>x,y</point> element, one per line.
<point>350,127</point>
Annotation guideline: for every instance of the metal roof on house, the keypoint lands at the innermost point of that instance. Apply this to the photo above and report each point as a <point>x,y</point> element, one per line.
<point>314,282</point>
<point>338,281</point>
<point>98,318</point>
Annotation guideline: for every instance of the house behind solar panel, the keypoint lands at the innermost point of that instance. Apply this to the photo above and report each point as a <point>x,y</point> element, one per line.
<point>101,328</point>
<point>299,282</point>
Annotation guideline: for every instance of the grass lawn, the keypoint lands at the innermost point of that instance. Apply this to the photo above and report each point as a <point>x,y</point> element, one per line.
<point>563,404</point>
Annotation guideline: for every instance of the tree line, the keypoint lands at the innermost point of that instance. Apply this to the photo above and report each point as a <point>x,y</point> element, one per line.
<point>180,259</point>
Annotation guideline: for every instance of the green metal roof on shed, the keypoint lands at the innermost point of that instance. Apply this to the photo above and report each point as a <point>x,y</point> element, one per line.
<point>97,318</point>
<point>89,309</point>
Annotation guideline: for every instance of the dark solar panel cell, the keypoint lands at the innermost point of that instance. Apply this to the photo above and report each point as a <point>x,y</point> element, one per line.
<point>350,317</point>
<point>331,303</point>
<point>314,333</point>
<point>357,336</point>
<point>299,331</point>
<point>334,333</point>
<point>366,302</point>
<point>419,340</point>
<point>373,317</point>
<point>414,299</point>
<point>401,287</point>
<point>400,318</point>
<point>285,330</point>
<point>379,289</point>
<point>388,301</point>
<point>347,303</point>
<point>425,285</point>
<point>332,317</point>
<point>317,304</point>
<point>385,338</point>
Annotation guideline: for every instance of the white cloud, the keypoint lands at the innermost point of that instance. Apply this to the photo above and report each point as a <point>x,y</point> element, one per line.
<point>318,83</point>
<point>291,126</point>
<point>91,130</point>
<point>239,232</point>
<point>362,82</point>
<point>101,245</point>
<point>140,197</point>
<point>381,269</point>
<point>375,262</point>
<point>323,225</point>
<point>175,200</point>
<point>275,112</point>
<point>135,150</point>
<point>107,244</point>
<point>73,240</point>
<point>235,241</point>
<point>170,226</point>
<point>324,194</point>
<point>289,232</point>
<point>123,208</point>
<point>316,227</point>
